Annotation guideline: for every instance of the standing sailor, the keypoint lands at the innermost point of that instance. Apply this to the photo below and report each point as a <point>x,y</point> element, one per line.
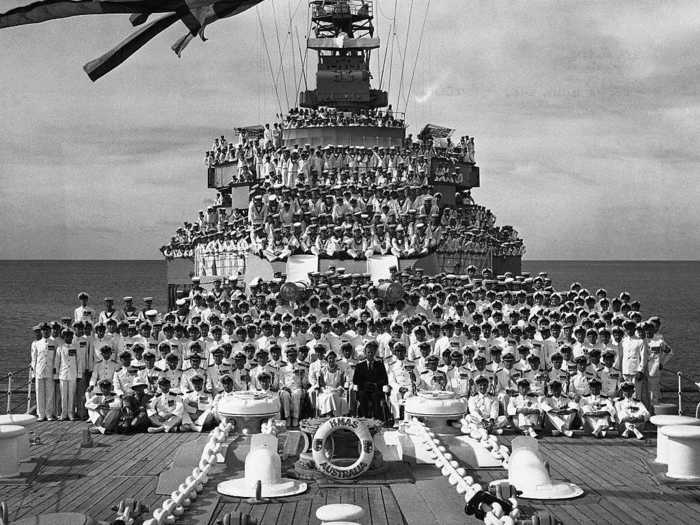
<point>84,312</point>
<point>109,313</point>
<point>43,369</point>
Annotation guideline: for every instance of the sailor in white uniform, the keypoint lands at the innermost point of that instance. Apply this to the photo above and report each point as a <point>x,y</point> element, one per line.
<point>560,410</point>
<point>103,408</point>
<point>631,413</point>
<point>198,414</point>
<point>84,312</point>
<point>597,410</point>
<point>165,410</point>
<point>525,409</point>
<point>483,408</point>
<point>42,368</point>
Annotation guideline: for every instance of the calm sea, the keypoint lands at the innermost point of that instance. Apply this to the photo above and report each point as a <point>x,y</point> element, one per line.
<point>33,291</point>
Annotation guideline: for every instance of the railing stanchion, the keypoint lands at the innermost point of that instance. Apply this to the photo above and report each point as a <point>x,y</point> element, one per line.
<point>9,393</point>
<point>29,392</point>
<point>680,394</point>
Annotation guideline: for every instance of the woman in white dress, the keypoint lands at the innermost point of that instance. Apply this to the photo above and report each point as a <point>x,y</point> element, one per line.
<point>331,399</point>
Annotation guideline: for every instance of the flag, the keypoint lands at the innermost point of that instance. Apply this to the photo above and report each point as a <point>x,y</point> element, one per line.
<point>107,62</point>
<point>44,10</point>
<point>436,132</point>
<point>194,14</point>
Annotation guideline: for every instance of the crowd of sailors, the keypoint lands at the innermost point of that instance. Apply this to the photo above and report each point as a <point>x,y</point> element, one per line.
<point>522,356</point>
<point>266,158</point>
<point>340,221</point>
<point>332,117</point>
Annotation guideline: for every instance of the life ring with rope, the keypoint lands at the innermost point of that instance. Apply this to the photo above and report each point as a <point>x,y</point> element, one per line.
<point>363,434</point>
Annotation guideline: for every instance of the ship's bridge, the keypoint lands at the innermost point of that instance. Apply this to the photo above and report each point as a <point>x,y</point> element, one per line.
<point>320,127</point>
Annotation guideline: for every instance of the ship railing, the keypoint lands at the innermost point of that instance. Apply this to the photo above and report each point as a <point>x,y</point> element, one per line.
<point>685,384</point>
<point>322,8</point>
<point>17,392</point>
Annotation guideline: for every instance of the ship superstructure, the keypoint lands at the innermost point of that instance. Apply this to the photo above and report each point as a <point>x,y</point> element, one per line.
<point>364,149</point>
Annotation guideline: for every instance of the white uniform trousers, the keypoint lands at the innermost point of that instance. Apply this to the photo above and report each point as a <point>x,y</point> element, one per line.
<point>560,422</point>
<point>291,402</point>
<point>44,397</point>
<point>68,387</point>
<point>168,422</point>
<point>397,400</point>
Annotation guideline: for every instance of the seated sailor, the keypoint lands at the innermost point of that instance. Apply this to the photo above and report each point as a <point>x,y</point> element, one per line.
<point>483,408</point>
<point>103,408</point>
<point>228,386</point>
<point>631,413</point>
<point>198,414</point>
<point>560,410</point>
<point>597,411</point>
<point>293,384</point>
<point>525,409</point>
<point>165,410</point>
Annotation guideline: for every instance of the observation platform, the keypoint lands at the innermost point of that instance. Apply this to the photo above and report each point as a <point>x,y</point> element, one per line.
<point>66,477</point>
<point>367,136</point>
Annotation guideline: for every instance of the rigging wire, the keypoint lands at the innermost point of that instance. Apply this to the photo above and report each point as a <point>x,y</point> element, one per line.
<point>269,60</point>
<point>302,58</point>
<point>391,63</point>
<point>375,23</point>
<point>281,54</point>
<point>292,54</point>
<point>403,60</point>
<point>287,40</point>
<point>392,34</point>
<point>415,62</point>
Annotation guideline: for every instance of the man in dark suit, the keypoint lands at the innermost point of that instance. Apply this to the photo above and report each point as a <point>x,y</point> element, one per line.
<point>371,378</point>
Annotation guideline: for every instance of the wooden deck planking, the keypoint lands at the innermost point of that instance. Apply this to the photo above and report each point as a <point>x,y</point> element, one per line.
<point>287,513</point>
<point>376,505</point>
<point>302,512</point>
<point>618,484</point>
<point>361,498</point>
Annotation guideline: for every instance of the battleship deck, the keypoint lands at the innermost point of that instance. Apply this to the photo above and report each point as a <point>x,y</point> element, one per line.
<point>619,485</point>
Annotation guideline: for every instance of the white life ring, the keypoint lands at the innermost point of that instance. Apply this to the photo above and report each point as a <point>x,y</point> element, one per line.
<point>363,434</point>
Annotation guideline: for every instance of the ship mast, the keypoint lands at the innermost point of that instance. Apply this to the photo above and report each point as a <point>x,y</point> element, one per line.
<point>344,40</point>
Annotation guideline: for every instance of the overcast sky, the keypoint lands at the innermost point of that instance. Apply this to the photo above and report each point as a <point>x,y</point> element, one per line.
<point>586,117</point>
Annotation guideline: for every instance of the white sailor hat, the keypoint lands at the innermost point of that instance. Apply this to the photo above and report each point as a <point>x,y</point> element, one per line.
<point>151,313</point>
<point>181,302</point>
<point>128,298</point>
<point>139,381</point>
<point>147,299</point>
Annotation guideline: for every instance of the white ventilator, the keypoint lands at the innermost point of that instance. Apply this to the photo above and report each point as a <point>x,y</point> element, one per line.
<point>263,469</point>
<point>529,473</point>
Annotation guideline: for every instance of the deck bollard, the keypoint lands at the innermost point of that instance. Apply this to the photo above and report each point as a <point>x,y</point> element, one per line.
<point>667,421</point>
<point>683,451</point>
<point>10,449</point>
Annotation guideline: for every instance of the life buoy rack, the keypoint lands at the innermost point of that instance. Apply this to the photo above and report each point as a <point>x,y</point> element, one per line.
<point>363,462</point>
